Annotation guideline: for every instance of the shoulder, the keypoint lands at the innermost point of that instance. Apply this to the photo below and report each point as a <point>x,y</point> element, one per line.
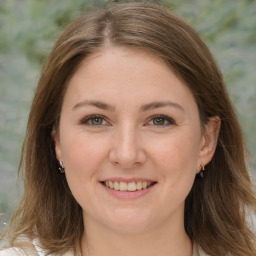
<point>197,250</point>
<point>41,252</point>
<point>202,253</point>
<point>14,251</point>
<point>31,248</point>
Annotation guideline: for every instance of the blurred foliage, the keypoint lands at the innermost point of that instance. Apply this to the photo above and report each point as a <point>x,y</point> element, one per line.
<point>28,29</point>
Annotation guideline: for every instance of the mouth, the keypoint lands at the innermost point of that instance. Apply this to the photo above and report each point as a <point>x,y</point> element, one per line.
<point>128,186</point>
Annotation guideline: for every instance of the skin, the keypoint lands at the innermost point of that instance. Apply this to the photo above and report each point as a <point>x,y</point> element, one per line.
<point>128,142</point>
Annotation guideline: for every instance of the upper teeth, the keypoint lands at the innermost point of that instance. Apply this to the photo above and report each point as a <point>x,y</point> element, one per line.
<point>127,186</point>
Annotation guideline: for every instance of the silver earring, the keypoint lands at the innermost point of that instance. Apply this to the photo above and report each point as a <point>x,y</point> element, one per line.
<point>61,167</point>
<point>201,173</point>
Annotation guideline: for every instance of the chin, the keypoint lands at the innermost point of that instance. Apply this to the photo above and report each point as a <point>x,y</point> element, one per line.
<point>128,222</point>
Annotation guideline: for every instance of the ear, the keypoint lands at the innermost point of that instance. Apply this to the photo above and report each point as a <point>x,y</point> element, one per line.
<point>209,141</point>
<point>56,139</point>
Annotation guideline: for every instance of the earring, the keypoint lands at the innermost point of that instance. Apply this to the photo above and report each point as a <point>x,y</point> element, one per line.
<point>201,173</point>
<point>61,167</point>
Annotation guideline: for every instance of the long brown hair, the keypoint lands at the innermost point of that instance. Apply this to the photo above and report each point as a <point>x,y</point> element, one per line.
<point>216,208</point>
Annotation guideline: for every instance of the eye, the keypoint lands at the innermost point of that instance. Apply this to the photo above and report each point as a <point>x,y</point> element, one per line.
<point>94,120</point>
<point>161,120</point>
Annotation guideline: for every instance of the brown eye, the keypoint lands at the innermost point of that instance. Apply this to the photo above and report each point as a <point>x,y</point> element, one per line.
<point>161,120</point>
<point>94,120</point>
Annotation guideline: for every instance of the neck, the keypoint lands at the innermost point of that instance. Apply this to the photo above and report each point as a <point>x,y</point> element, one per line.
<point>164,240</point>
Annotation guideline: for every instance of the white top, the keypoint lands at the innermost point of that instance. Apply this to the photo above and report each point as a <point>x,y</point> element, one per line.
<point>15,251</point>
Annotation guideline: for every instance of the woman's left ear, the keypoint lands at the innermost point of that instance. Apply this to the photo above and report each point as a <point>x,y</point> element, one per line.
<point>55,137</point>
<point>209,140</point>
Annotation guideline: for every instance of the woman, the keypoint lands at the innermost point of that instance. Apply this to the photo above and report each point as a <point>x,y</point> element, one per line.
<point>132,145</point>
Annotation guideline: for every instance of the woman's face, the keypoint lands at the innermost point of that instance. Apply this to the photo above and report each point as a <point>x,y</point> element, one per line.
<point>130,140</point>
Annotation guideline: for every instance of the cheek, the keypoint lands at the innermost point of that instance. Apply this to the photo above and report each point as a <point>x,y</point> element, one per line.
<point>82,154</point>
<point>83,158</point>
<point>176,159</point>
<point>177,151</point>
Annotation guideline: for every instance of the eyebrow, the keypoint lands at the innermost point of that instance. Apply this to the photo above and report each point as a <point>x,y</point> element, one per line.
<point>97,104</point>
<point>160,104</point>
<point>143,108</point>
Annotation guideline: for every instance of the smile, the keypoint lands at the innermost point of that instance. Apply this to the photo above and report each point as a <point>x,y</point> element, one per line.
<point>128,186</point>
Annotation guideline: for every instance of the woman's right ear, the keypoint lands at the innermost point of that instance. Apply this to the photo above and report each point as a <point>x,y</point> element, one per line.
<point>56,139</point>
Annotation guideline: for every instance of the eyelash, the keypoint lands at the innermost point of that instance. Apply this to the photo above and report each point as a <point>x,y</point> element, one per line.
<point>167,119</point>
<point>86,120</point>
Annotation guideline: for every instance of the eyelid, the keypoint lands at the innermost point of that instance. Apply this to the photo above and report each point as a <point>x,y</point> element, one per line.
<point>86,119</point>
<point>170,120</point>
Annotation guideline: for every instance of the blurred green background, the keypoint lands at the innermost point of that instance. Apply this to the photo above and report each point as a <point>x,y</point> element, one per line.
<point>28,29</point>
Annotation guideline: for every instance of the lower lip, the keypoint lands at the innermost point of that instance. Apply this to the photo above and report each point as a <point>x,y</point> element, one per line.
<point>128,194</point>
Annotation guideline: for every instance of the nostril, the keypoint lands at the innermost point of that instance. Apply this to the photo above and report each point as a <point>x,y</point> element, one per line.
<point>127,155</point>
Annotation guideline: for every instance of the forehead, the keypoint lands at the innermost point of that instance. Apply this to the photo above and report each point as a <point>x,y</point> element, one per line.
<point>116,58</point>
<point>124,73</point>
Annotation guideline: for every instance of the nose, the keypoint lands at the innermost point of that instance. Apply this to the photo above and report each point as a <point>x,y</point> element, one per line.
<point>127,149</point>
